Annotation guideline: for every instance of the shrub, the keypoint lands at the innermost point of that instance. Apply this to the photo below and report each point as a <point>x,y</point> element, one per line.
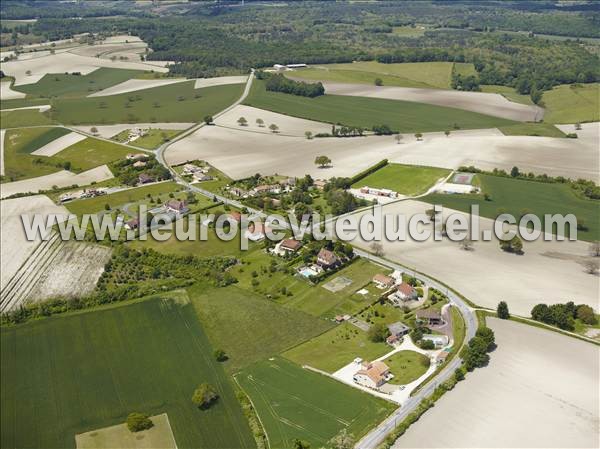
<point>137,422</point>
<point>204,396</point>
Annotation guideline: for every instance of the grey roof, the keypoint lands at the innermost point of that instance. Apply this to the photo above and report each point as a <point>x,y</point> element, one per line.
<point>398,328</point>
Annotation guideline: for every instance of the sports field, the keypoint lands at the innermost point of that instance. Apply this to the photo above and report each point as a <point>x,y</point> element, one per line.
<point>250,328</point>
<point>405,179</point>
<point>67,375</point>
<point>294,403</point>
<point>178,102</point>
<point>572,103</point>
<point>403,116</point>
<point>518,197</point>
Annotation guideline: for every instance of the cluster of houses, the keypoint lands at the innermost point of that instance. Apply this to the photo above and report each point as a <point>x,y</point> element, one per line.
<point>85,193</point>
<point>398,292</point>
<point>282,186</point>
<point>169,212</point>
<point>198,174</point>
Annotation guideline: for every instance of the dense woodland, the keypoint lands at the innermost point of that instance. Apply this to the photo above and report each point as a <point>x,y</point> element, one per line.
<point>209,40</point>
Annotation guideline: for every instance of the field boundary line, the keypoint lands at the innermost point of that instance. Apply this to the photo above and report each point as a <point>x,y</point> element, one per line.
<point>253,406</point>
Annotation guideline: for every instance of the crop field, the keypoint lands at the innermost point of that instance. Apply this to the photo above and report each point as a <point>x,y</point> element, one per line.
<point>336,348</point>
<point>294,403</point>
<point>572,103</point>
<point>403,116</point>
<point>148,356</point>
<point>250,328</point>
<point>178,102</point>
<point>91,153</point>
<point>407,366</point>
<point>404,179</point>
<point>67,85</point>
<point>92,205</point>
<point>508,92</point>
<point>24,117</point>
<point>409,74</point>
<point>518,197</point>
<point>532,129</point>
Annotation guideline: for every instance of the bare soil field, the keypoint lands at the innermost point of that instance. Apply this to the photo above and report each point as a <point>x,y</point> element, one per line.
<point>41,108</point>
<point>66,61</point>
<point>134,85</point>
<point>540,389</point>
<point>108,131</point>
<point>288,126</point>
<point>62,178</point>
<point>484,103</point>
<point>6,93</point>
<point>76,263</point>
<point>57,145</point>
<point>15,248</point>
<point>219,81</point>
<point>486,275</point>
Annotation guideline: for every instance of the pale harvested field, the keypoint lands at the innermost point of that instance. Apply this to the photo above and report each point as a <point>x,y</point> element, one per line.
<point>6,93</point>
<point>15,248</point>
<point>57,145</point>
<point>289,126</point>
<point>135,85</point>
<point>62,178</point>
<point>484,103</point>
<point>76,264</point>
<point>159,436</point>
<point>106,50</point>
<point>219,81</point>
<point>66,61</point>
<point>2,133</point>
<point>572,158</point>
<point>540,390</point>
<point>41,108</point>
<point>108,131</point>
<point>486,275</point>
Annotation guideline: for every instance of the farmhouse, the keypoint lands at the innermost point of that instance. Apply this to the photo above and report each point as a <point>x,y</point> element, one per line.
<point>382,281</point>
<point>139,164</point>
<point>235,217</point>
<point>320,184</point>
<point>378,192</point>
<point>190,169</point>
<point>404,292</point>
<point>290,245</point>
<point>132,224</point>
<point>135,157</point>
<point>373,375</point>
<point>429,317</point>
<point>257,232</point>
<point>398,329</point>
<point>176,206</point>
<point>327,259</point>
<point>265,188</point>
<point>236,191</point>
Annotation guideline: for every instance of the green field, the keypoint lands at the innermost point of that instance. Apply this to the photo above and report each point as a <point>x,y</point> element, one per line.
<point>153,139</point>
<point>336,348</point>
<point>532,129</point>
<point>508,92</point>
<point>18,143</point>
<point>407,366</point>
<point>90,153</point>
<point>68,85</point>
<point>250,328</point>
<point>403,116</point>
<point>405,179</point>
<point>93,205</point>
<point>294,403</point>
<point>572,103</point>
<point>23,118</point>
<point>517,197</point>
<point>408,74</point>
<point>71,374</point>
<point>178,102</point>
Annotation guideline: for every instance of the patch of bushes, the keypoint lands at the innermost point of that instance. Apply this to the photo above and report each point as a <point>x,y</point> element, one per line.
<point>279,83</point>
<point>563,316</point>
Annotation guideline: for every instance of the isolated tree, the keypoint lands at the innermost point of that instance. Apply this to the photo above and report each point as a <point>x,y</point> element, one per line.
<point>94,130</point>
<point>428,345</point>
<point>591,266</point>
<point>208,119</point>
<point>378,332</point>
<point>220,355</point>
<point>514,245</point>
<point>260,122</point>
<point>322,161</point>
<point>466,244</point>
<point>595,248</point>
<point>242,121</point>
<point>378,82</point>
<point>419,136</point>
<point>137,422</point>
<point>28,72</point>
<point>398,138</point>
<point>502,310</point>
<point>308,134</point>
<point>514,172</point>
<point>274,128</point>
<point>107,206</point>
<point>377,249</point>
<point>343,440</point>
<point>204,396</point>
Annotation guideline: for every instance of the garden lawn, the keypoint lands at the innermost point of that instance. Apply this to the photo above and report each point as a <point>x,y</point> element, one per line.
<point>572,103</point>
<point>402,116</point>
<point>336,348</point>
<point>294,403</point>
<point>178,102</point>
<point>407,366</point>
<point>405,179</point>
<point>249,328</point>
<point>67,85</point>
<point>66,375</point>
<point>517,197</point>
<point>532,129</point>
<point>90,153</point>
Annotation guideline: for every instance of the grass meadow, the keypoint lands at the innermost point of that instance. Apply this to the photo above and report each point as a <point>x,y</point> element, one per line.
<point>407,366</point>
<point>66,375</point>
<point>405,179</point>
<point>532,129</point>
<point>518,197</point>
<point>24,117</point>
<point>402,116</point>
<point>90,153</point>
<point>572,103</point>
<point>294,403</point>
